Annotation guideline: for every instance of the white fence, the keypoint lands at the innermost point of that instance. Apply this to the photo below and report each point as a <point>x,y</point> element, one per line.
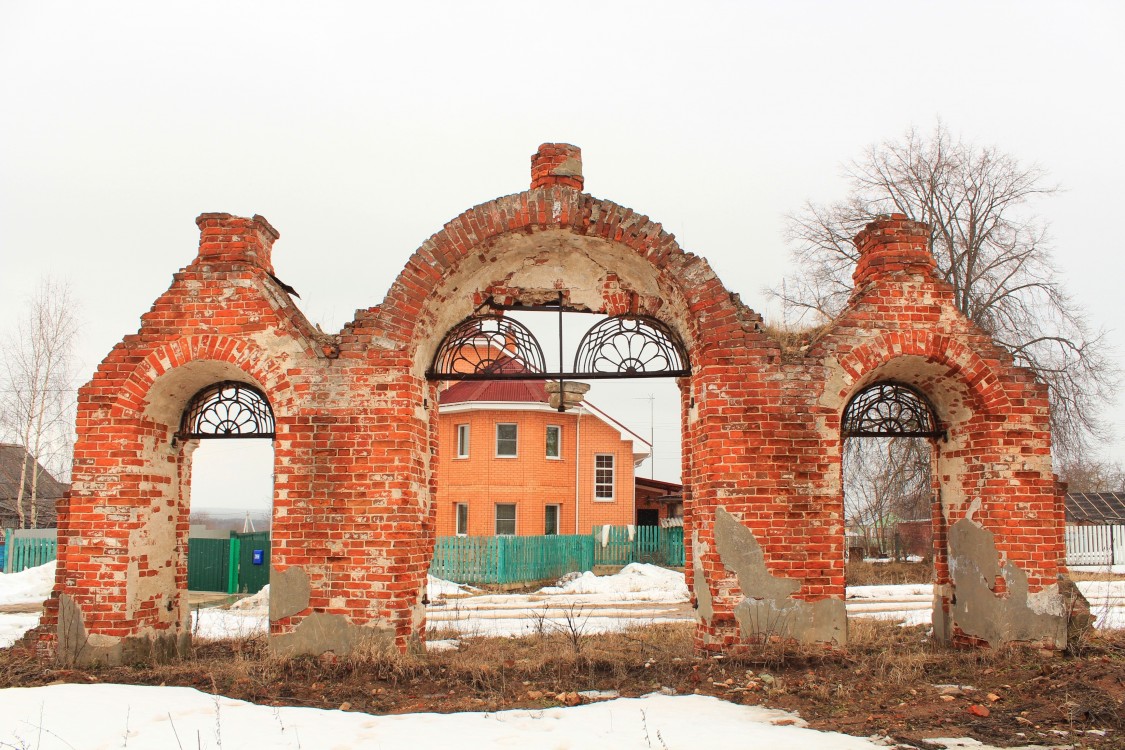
<point>1095,545</point>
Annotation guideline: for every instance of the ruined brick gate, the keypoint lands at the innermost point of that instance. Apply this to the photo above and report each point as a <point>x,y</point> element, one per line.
<point>353,420</point>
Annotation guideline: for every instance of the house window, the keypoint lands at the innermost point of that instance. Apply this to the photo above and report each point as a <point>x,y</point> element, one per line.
<point>505,519</point>
<point>462,519</point>
<point>462,441</point>
<point>506,440</point>
<point>551,523</point>
<point>554,440</point>
<point>603,476</point>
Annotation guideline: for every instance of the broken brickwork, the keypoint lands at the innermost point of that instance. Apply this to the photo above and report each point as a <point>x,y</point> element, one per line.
<point>356,442</point>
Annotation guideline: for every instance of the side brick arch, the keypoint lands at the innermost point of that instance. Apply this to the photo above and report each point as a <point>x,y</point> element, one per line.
<point>863,362</point>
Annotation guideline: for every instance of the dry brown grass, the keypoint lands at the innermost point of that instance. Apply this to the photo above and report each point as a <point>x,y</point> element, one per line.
<point>863,573</point>
<point>882,681</point>
<point>1095,575</point>
<point>794,342</point>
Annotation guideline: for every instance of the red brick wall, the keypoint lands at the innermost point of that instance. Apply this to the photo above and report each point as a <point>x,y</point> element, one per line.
<point>357,502</point>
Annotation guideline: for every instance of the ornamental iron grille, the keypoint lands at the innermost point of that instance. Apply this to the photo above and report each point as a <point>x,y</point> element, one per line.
<point>890,409</point>
<point>630,346</point>
<point>486,347</point>
<point>494,347</point>
<point>227,410</point>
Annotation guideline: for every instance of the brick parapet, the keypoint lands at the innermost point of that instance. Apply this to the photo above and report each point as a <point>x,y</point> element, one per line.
<point>224,238</point>
<point>557,164</point>
<point>893,245</point>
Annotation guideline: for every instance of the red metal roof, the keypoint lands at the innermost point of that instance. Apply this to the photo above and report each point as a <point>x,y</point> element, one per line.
<point>470,391</point>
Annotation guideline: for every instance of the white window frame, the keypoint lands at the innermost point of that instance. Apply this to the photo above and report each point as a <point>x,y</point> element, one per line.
<point>599,484</point>
<point>463,434</point>
<point>558,442</point>
<point>516,440</point>
<point>558,519</point>
<point>514,519</point>
<point>462,529</point>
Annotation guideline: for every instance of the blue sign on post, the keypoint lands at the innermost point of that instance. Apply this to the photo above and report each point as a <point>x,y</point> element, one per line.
<point>259,556</point>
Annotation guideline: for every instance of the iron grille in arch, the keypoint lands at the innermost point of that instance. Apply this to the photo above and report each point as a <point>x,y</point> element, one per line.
<point>488,346</point>
<point>495,347</point>
<point>227,410</point>
<point>890,409</point>
<point>630,346</point>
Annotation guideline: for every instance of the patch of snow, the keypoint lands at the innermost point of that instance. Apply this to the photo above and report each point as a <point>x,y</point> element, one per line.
<point>100,717</point>
<point>258,603</point>
<point>13,626</point>
<point>436,588</point>
<point>215,624</point>
<point>446,645</point>
<point>29,586</point>
<point>891,591</point>
<point>636,581</point>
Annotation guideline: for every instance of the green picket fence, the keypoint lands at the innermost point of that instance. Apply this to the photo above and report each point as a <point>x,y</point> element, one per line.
<point>615,545</point>
<point>510,559</point>
<point>21,553</point>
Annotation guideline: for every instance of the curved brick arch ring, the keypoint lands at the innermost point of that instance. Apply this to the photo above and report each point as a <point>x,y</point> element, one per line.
<point>702,295</point>
<point>965,365</point>
<point>253,362</point>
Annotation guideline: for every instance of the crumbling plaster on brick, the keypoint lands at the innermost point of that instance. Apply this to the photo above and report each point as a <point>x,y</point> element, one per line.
<point>768,609</point>
<point>78,646</point>
<point>289,592</point>
<point>701,590</point>
<point>151,573</point>
<point>978,612</point>
<point>322,633</point>
<point>533,268</point>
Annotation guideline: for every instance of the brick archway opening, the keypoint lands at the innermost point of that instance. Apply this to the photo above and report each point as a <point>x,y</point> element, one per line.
<point>578,455</point>
<point>229,428</point>
<point>150,518</point>
<point>891,442</point>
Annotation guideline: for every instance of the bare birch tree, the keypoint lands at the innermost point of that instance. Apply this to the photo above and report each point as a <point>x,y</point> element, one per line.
<point>888,480</point>
<point>989,245</point>
<point>38,393</point>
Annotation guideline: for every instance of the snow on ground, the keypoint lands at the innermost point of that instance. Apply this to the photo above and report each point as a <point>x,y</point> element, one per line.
<point>889,591</point>
<point>1107,602</point>
<point>114,716</point>
<point>14,625</point>
<point>638,595</point>
<point>30,586</point>
<point>636,581</point>
<point>436,588</point>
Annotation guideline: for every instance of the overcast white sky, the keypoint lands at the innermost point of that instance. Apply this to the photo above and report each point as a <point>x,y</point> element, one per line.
<point>358,130</point>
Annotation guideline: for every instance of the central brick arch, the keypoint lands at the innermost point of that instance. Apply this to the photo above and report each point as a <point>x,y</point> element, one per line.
<point>601,257</point>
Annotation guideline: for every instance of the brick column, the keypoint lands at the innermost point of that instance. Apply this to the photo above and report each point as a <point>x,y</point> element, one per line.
<point>557,164</point>
<point>893,245</point>
<point>233,239</point>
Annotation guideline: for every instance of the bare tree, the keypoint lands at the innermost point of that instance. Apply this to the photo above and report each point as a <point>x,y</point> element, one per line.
<point>38,394</point>
<point>989,245</point>
<point>886,480</point>
<point>1090,475</point>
